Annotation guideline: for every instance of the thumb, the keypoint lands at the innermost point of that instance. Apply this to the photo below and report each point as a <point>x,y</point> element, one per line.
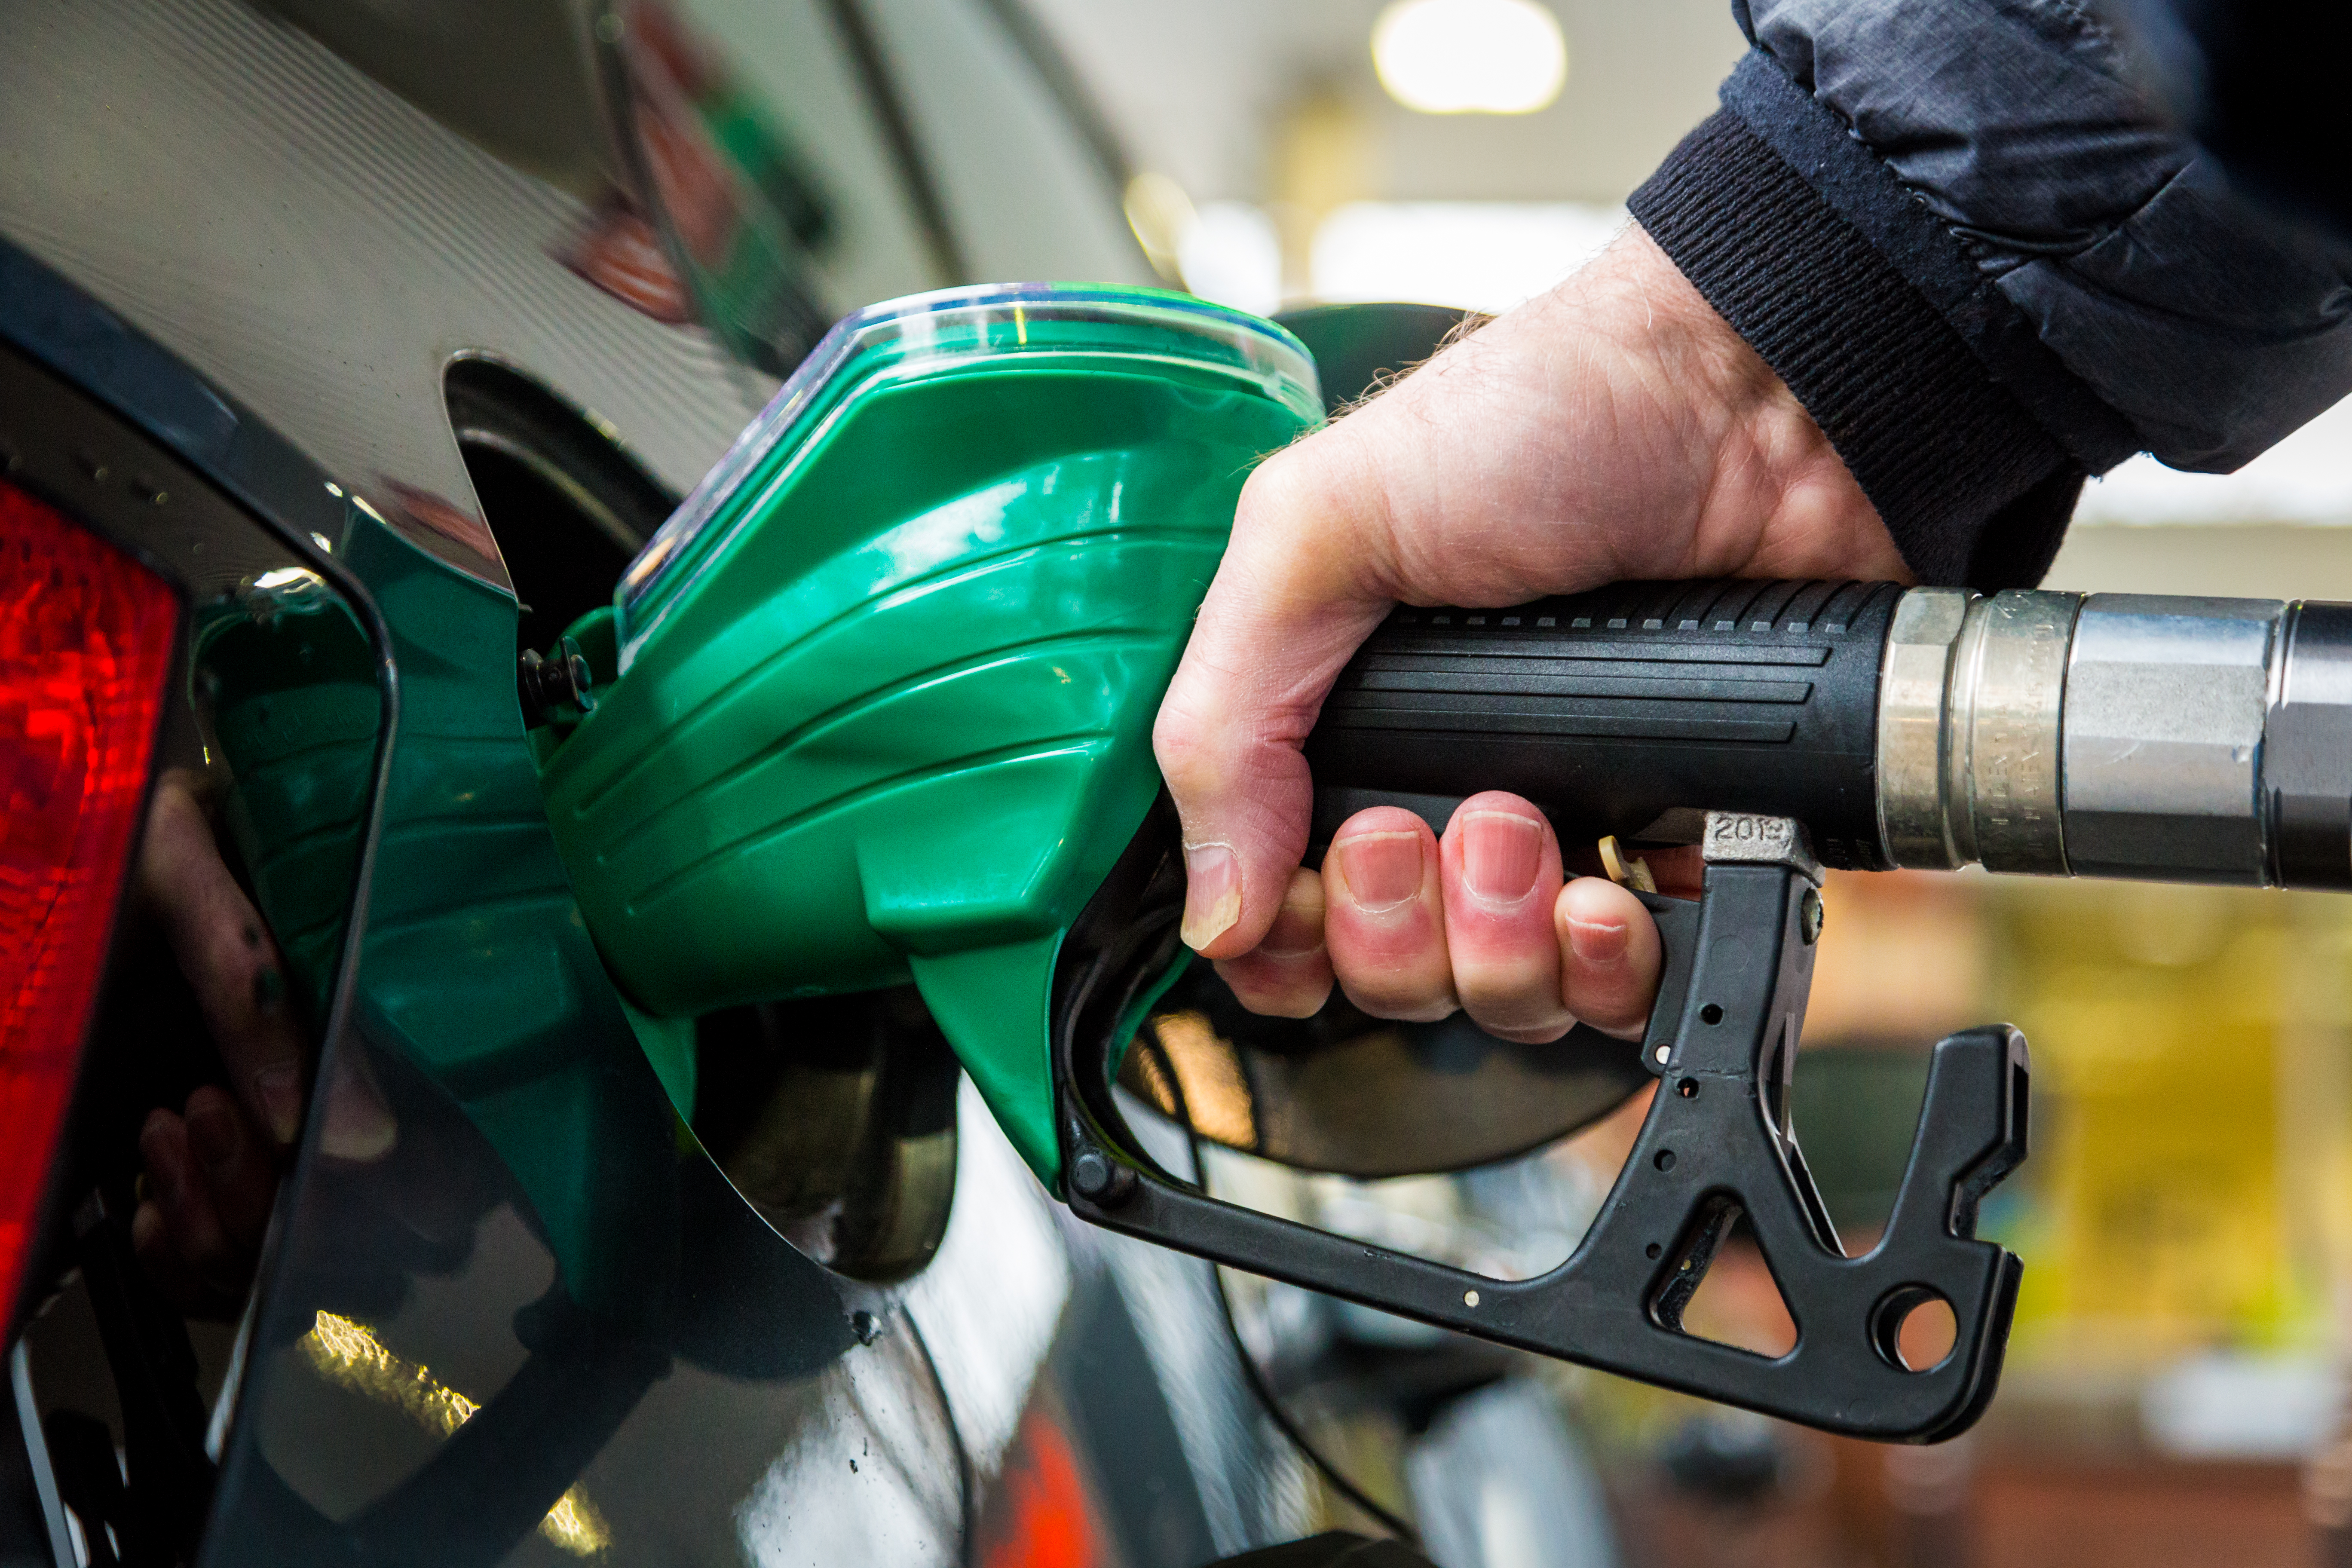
<point>1298,589</point>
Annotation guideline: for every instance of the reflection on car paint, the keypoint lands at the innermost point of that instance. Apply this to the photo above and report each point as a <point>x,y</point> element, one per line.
<point>618,250</point>
<point>317,249</point>
<point>744,210</point>
<point>1251,1484</point>
<point>1042,1517</point>
<point>990,1339</point>
<point>350,1355</point>
<point>873,1478</point>
<point>480,1000</point>
<point>286,698</point>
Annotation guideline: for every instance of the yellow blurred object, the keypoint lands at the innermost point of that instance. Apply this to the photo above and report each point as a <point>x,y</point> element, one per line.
<point>1901,959</point>
<point>2190,1156</point>
<point>349,1355</point>
<point>1321,159</point>
<point>2191,1184</point>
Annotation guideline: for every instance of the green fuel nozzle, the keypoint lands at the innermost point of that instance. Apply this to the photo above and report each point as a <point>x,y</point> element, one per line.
<point>887,677</point>
<point>885,691</point>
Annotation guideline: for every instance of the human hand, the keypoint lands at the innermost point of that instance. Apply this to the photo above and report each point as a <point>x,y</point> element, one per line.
<point>1615,428</point>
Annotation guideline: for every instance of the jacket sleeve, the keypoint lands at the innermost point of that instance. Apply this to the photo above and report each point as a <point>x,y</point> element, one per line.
<point>1960,235</point>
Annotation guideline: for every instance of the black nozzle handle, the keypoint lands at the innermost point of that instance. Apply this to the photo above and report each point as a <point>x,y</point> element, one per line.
<point>1627,710</point>
<point>1717,1144</point>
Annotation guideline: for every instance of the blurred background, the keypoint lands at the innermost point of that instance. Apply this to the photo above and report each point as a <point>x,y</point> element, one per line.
<point>1472,152</point>
<point>2174,1385</point>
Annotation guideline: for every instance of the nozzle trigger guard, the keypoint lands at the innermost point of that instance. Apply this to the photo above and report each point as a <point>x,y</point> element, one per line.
<point>1718,1143</point>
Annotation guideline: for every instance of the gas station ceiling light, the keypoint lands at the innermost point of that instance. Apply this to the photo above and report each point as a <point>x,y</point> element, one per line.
<point>1470,57</point>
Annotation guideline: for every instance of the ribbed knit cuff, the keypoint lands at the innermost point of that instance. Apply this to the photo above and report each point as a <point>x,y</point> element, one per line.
<point>1974,489</point>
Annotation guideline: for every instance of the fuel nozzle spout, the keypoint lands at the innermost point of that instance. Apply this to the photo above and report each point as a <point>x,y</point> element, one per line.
<point>2156,737</point>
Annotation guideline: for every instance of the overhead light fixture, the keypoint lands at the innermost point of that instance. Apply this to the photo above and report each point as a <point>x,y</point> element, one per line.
<point>1470,57</point>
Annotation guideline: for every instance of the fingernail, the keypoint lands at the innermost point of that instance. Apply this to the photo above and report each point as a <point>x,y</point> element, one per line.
<point>280,1089</point>
<point>1212,892</point>
<point>1596,942</point>
<point>1501,853</point>
<point>1382,870</point>
<point>214,1134</point>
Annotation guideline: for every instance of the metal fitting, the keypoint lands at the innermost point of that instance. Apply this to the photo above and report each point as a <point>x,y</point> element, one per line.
<point>2165,700</point>
<point>1099,1179</point>
<point>2308,750</point>
<point>1914,685</point>
<point>2001,792</point>
<point>2182,740</point>
<point>549,685</point>
<point>1970,704</point>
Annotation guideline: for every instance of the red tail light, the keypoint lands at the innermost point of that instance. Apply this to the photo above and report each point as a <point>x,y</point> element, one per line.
<point>85,638</point>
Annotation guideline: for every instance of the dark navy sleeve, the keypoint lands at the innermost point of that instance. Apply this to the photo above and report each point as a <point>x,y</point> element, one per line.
<point>1960,232</point>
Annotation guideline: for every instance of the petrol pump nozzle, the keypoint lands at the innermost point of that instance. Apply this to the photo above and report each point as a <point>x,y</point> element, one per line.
<point>885,696</point>
<point>2121,735</point>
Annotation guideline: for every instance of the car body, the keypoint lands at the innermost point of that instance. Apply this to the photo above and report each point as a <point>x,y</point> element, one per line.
<point>381,335</point>
<point>287,235</point>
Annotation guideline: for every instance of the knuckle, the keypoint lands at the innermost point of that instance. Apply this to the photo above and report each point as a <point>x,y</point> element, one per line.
<point>1273,489</point>
<point>1176,744</point>
<point>1310,485</point>
<point>1185,762</point>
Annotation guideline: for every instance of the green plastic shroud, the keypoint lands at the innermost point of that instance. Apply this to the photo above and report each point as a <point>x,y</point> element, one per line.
<point>887,677</point>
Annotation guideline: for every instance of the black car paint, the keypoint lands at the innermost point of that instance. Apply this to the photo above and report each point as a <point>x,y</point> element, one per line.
<point>728,1421</point>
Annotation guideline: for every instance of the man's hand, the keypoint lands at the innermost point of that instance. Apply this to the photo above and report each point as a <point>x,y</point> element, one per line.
<point>1615,428</point>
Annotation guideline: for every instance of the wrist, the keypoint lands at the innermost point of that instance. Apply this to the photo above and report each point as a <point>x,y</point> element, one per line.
<point>1774,497</point>
<point>1870,310</point>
